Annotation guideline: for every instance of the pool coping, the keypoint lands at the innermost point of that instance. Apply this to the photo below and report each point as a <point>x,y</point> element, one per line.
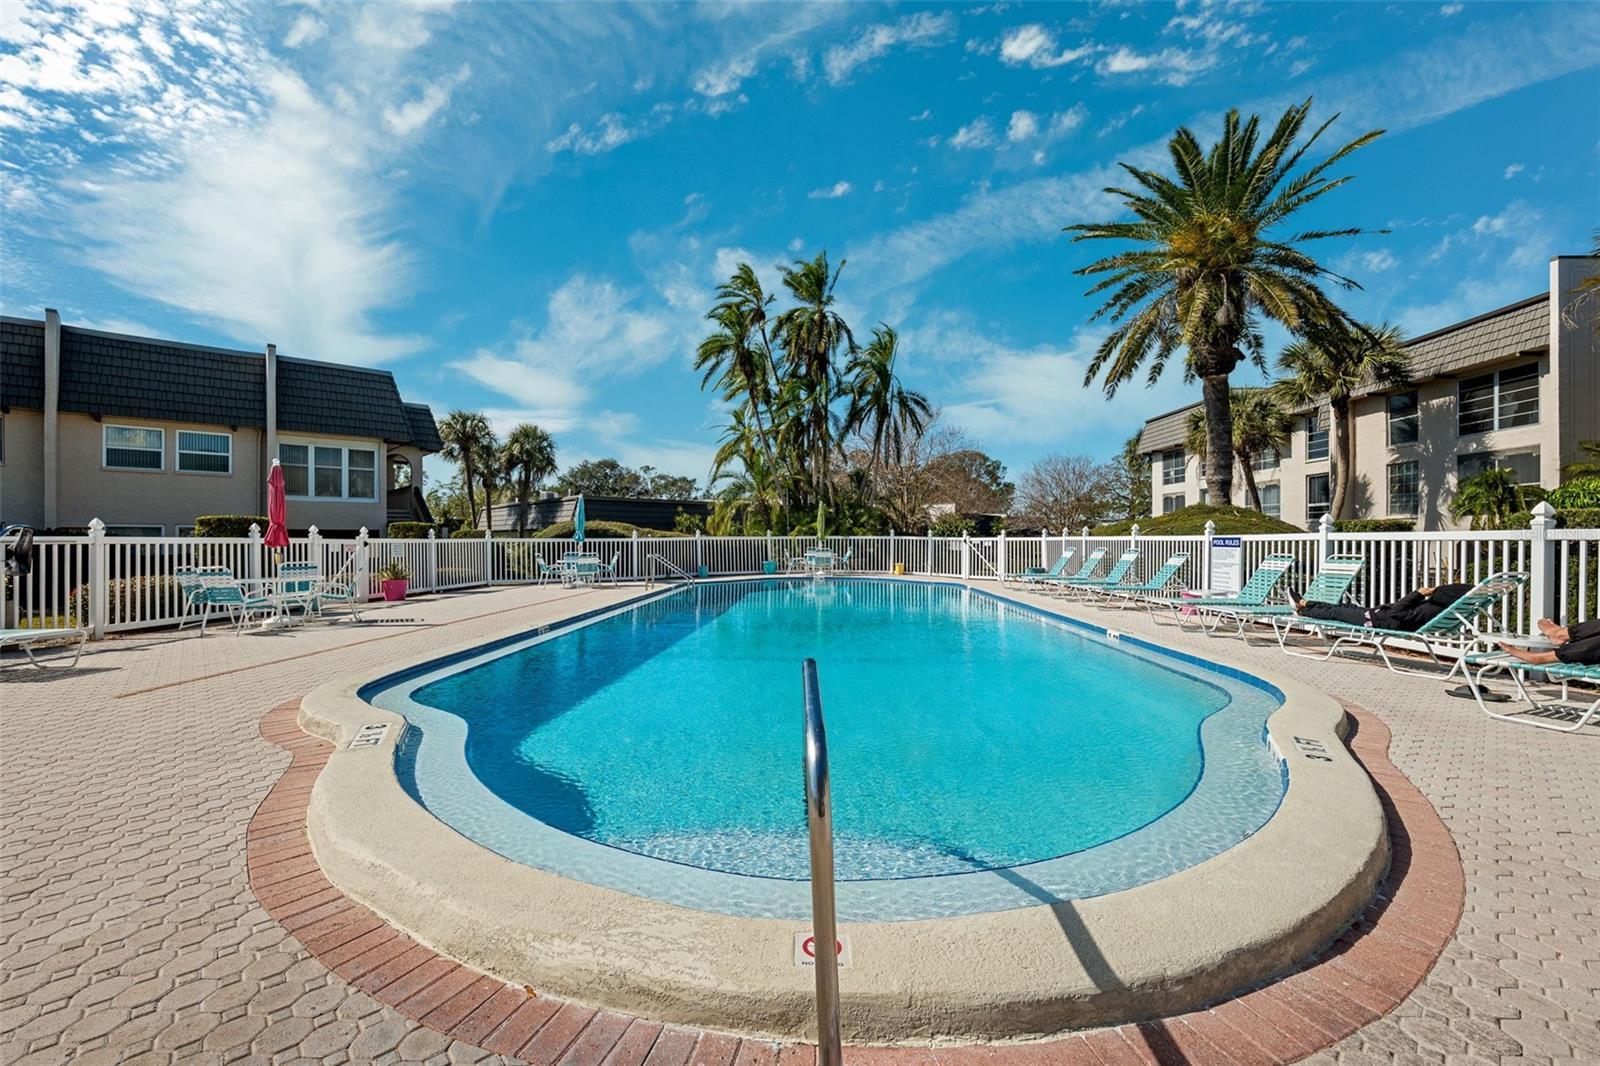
<point>1158,949</point>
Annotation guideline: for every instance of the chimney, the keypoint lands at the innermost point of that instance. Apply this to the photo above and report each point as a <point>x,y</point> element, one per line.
<point>52,404</point>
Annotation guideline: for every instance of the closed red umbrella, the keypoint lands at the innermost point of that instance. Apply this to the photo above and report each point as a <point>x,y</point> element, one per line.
<point>277,510</point>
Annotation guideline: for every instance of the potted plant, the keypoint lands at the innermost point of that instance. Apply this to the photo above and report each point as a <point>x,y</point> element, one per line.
<point>393,579</point>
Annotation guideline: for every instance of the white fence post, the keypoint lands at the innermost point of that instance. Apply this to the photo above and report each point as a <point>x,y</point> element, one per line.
<point>488,555</point>
<point>1541,573</point>
<point>1133,535</point>
<point>1205,553</point>
<point>253,563</point>
<point>99,579</point>
<point>1324,539</point>
<point>929,571</point>
<point>699,553</point>
<point>314,547</point>
<point>1000,555</point>
<point>1083,542</point>
<point>432,562</point>
<point>633,553</point>
<point>770,551</point>
<point>891,551</point>
<point>363,566</point>
<point>966,556</point>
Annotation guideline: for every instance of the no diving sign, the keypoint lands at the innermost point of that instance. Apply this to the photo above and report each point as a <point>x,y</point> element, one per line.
<point>805,950</point>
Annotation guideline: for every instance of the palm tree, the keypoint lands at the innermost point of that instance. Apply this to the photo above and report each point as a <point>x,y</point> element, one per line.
<point>1209,258</point>
<point>1489,498</point>
<point>812,334</point>
<point>463,434</point>
<point>880,405</point>
<point>738,356</point>
<point>492,475</point>
<point>529,456</point>
<point>1260,426</point>
<point>1333,362</point>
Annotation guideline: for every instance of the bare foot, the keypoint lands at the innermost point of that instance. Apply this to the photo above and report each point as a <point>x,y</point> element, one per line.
<point>1554,633</point>
<point>1527,655</point>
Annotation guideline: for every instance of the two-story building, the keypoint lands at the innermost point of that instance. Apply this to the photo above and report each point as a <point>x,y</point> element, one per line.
<point>1516,387</point>
<point>147,434</point>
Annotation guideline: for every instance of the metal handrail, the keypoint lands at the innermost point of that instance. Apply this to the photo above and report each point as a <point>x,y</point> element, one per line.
<point>824,921</point>
<point>672,568</point>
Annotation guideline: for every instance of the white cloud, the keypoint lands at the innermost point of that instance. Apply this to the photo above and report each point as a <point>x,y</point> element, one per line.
<point>725,77</point>
<point>831,192</point>
<point>975,134</point>
<point>398,27</point>
<point>922,116</point>
<point>1175,66</point>
<point>407,118</point>
<point>1034,46</point>
<point>1449,10</point>
<point>305,29</point>
<point>1379,261</point>
<point>1023,125</point>
<point>1064,122</point>
<point>920,30</point>
<point>611,130</point>
<point>1513,170</point>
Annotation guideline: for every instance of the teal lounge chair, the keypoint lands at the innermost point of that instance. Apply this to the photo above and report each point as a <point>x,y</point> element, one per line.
<point>1255,593</point>
<point>1331,585</point>
<point>1034,573</point>
<point>1158,583</point>
<point>1457,626</point>
<point>547,572</point>
<point>608,571</point>
<point>1117,575</point>
<point>1091,563</point>
<point>226,594</point>
<point>25,639</point>
<point>1547,712</point>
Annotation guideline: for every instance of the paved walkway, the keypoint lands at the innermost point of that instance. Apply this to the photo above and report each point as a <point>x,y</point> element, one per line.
<point>129,932</point>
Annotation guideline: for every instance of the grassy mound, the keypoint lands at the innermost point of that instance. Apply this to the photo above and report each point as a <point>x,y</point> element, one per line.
<point>1192,520</point>
<point>602,529</point>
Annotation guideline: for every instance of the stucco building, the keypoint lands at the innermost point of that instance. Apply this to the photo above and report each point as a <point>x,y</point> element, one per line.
<point>1515,387</point>
<point>147,434</point>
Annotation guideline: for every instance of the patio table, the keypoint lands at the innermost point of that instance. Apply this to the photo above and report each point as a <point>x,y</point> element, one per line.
<point>579,568</point>
<point>820,559</point>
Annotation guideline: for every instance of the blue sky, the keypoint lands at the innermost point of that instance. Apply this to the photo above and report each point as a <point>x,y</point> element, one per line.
<point>524,208</point>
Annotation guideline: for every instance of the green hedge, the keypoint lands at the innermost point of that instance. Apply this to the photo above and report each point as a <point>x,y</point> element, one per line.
<point>602,529</point>
<point>408,530</point>
<point>1573,518</point>
<point>228,525</point>
<point>467,531</point>
<point>1375,525</point>
<point>1578,494</point>
<point>1192,520</point>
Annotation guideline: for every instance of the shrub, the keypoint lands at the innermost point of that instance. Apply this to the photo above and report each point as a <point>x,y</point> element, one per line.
<point>601,529</point>
<point>151,597</point>
<point>1579,493</point>
<point>951,524</point>
<point>467,531</point>
<point>1375,525</point>
<point>1581,518</point>
<point>228,525</point>
<point>684,522</point>
<point>1192,520</point>
<point>408,530</point>
<point>394,570</point>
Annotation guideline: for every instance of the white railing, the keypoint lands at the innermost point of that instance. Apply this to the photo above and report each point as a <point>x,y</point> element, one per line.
<point>112,584</point>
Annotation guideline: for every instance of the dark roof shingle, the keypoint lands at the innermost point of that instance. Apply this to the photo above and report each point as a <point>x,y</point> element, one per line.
<point>424,430</point>
<point>21,364</point>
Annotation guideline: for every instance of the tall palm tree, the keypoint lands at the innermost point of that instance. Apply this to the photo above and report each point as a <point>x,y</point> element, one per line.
<point>463,434</point>
<point>812,334</point>
<point>1333,361</point>
<point>492,475</point>
<point>738,355</point>
<point>1489,499</point>
<point>1260,427</point>
<point>1210,257</point>
<point>529,456</point>
<point>880,406</point>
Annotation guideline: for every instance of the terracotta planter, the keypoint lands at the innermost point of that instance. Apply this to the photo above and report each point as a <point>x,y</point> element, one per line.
<point>394,590</point>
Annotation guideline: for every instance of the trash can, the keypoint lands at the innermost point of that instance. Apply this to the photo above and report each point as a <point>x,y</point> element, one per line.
<point>769,567</point>
<point>900,569</point>
<point>701,571</point>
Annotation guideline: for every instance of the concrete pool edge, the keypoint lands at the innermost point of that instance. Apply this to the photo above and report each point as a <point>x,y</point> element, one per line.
<point>1158,949</point>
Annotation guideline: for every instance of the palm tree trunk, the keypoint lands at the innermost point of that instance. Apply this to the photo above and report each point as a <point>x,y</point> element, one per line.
<point>472,500</point>
<point>524,490</point>
<point>1250,486</point>
<point>1341,458</point>
<point>1219,437</point>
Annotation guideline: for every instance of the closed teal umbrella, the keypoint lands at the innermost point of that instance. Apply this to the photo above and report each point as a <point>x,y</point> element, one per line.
<point>577,521</point>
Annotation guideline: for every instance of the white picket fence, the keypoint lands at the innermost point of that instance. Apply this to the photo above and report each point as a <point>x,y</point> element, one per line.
<point>114,584</point>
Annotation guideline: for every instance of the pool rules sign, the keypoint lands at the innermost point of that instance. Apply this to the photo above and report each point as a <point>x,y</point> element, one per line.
<point>1227,564</point>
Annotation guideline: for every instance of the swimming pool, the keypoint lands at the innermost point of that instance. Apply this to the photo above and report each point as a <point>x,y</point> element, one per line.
<point>985,755</point>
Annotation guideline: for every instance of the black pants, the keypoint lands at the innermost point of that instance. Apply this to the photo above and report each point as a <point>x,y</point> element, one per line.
<point>1336,612</point>
<point>1583,646</point>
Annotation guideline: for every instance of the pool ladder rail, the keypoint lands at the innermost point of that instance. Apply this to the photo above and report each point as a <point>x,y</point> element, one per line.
<point>824,920</point>
<point>668,565</point>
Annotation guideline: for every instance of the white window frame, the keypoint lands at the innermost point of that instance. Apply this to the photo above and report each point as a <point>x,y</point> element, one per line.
<point>1326,508</point>
<point>344,447</point>
<point>1317,426</point>
<point>1169,497</point>
<point>1497,401</point>
<point>1414,418</point>
<point>1174,461</point>
<point>105,446</point>
<point>1275,510</point>
<point>1416,493</point>
<point>178,452</point>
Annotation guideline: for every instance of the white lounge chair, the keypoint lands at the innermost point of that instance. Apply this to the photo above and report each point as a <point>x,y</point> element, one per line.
<point>1538,714</point>
<point>27,638</point>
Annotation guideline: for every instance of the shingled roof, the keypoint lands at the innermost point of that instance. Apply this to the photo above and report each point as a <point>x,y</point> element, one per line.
<point>139,377</point>
<point>1166,431</point>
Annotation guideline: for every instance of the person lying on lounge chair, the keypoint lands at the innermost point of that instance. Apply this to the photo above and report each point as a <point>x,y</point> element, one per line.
<point>1407,614</point>
<point>1577,645</point>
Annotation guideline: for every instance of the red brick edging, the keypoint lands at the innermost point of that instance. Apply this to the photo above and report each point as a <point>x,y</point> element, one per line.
<point>1356,980</point>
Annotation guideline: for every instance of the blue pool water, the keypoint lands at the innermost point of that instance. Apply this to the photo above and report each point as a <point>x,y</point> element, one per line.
<point>658,750</point>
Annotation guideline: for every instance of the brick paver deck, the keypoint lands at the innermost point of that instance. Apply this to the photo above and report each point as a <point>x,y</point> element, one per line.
<point>130,931</point>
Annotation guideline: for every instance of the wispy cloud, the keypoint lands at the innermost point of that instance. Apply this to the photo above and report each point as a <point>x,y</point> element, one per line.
<point>1513,170</point>
<point>407,118</point>
<point>610,131</point>
<point>1175,66</point>
<point>305,29</point>
<point>976,134</point>
<point>831,192</point>
<point>1035,46</point>
<point>921,30</point>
